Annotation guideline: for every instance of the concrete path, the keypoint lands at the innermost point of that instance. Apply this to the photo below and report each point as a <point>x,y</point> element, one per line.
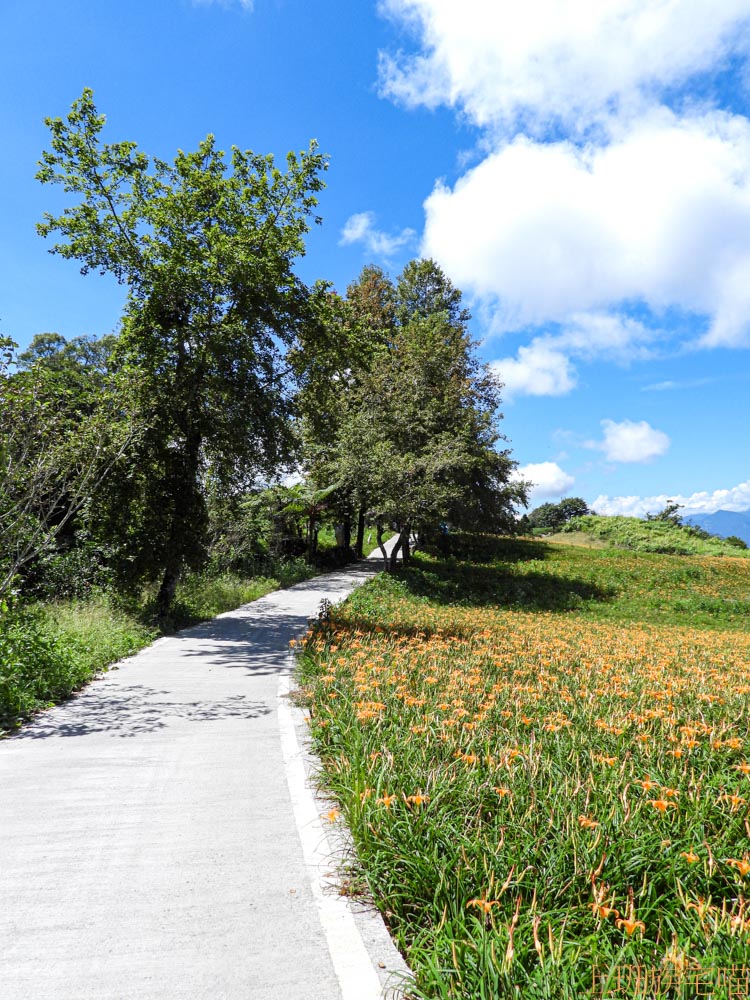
<point>148,843</point>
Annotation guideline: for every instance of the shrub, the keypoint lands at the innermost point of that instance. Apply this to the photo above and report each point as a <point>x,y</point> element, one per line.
<point>35,669</point>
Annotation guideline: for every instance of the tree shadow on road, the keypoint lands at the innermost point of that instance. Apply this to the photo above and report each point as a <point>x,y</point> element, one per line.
<point>133,710</point>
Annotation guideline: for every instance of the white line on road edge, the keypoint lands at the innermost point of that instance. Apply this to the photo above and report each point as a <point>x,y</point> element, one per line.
<point>351,962</point>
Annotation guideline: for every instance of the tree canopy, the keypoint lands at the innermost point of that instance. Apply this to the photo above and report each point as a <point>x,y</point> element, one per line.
<point>415,435</point>
<point>206,249</point>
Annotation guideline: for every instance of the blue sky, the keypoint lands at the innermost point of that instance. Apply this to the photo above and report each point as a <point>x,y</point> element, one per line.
<point>580,169</point>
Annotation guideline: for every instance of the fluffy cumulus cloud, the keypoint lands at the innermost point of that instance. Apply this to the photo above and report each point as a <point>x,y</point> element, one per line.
<point>549,231</point>
<point>537,370</point>
<point>704,502</point>
<point>631,441</point>
<point>601,183</point>
<point>547,480</point>
<point>514,63</point>
<point>544,366</point>
<point>361,228</point>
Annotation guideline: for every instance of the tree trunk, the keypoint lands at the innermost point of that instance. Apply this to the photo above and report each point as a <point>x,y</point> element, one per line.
<point>381,546</point>
<point>359,546</point>
<point>347,533</point>
<point>394,553</point>
<point>405,546</point>
<point>311,538</point>
<point>168,588</point>
<point>183,491</point>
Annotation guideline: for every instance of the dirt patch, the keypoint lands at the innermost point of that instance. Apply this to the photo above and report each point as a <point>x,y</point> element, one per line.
<point>578,538</point>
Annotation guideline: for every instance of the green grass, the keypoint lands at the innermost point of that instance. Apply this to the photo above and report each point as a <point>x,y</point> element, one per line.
<point>200,597</point>
<point>543,760</point>
<point>652,536</point>
<point>94,632</point>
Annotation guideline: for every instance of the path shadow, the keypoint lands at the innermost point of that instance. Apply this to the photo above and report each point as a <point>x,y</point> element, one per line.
<point>502,585</point>
<point>251,637</point>
<point>249,644</point>
<point>485,549</point>
<point>132,710</point>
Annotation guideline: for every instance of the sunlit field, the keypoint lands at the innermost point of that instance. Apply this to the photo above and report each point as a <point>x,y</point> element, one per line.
<point>546,777</point>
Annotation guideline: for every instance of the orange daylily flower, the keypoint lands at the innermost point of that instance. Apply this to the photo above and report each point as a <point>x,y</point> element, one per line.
<point>485,905</point>
<point>662,804</point>
<point>386,800</point>
<point>630,926</point>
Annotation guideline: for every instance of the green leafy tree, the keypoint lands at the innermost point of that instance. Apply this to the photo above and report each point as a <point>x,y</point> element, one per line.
<point>736,541</point>
<point>206,250</point>
<point>571,507</point>
<point>418,438</point>
<point>668,513</point>
<point>60,437</point>
<point>337,350</point>
<point>553,516</point>
<point>547,515</point>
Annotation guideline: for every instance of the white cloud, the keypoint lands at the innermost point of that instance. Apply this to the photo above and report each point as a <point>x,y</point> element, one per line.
<point>360,228</point>
<point>670,384</point>
<point>631,203</point>
<point>247,5</point>
<point>735,498</point>
<point>538,370</point>
<point>544,367</point>
<point>504,62</point>
<point>548,232</point>
<point>547,479</point>
<point>631,441</point>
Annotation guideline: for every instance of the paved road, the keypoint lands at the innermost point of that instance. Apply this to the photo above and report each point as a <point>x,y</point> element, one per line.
<point>148,846</point>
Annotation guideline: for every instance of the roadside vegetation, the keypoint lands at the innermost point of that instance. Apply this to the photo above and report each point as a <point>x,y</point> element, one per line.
<point>141,472</point>
<point>541,753</point>
<point>51,648</point>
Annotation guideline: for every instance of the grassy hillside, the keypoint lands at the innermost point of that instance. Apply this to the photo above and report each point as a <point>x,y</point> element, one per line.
<point>651,536</point>
<point>542,756</point>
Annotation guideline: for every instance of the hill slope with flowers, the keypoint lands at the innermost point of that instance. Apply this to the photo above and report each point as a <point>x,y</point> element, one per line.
<point>541,753</point>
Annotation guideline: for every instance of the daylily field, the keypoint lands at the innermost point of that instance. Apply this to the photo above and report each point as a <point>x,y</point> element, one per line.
<point>543,759</point>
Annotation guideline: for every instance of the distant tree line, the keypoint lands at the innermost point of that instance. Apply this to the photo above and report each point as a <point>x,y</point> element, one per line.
<point>552,516</point>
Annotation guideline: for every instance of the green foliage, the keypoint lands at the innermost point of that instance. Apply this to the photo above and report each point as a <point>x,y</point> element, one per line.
<point>77,571</point>
<point>419,429</point>
<point>547,516</point>
<point>656,535</point>
<point>94,630</point>
<point>736,542</point>
<point>668,513</point>
<point>206,249</point>
<point>49,651</point>
<point>35,670</point>
<point>552,516</point>
<point>61,431</point>
<point>203,596</point>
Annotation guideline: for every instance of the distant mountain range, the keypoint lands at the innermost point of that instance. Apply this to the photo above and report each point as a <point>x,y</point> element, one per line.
<point>723,523</point>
